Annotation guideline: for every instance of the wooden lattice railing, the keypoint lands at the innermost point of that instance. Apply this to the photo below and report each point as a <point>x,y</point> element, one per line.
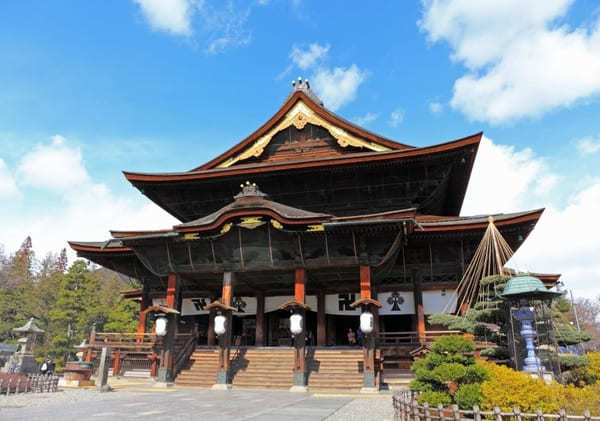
<point>132,351</point>
<point>412,337</point>
<point>406,408</point>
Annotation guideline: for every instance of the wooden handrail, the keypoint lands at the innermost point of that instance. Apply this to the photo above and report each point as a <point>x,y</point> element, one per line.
<point>407,408</point>
<point>184,354</point>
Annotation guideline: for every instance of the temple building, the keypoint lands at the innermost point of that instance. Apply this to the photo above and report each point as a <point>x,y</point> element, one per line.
<point>309,215</point>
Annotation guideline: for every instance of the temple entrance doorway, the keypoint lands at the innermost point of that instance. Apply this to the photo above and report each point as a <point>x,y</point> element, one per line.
<point>396,323</point>
<point>243,330</point>
<point>338,327</point>
<point>278,328</point>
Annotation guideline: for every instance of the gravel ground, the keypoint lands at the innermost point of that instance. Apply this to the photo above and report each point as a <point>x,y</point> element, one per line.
<point>70,404</point>
<point>62,397</point>
<point>362,409</point>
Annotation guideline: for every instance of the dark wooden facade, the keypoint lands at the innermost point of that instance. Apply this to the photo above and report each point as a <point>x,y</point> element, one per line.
<point>343,211</point>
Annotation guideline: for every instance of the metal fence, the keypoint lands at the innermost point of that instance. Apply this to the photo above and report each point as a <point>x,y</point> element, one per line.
<point>406,408</point>
<point>20,383</point>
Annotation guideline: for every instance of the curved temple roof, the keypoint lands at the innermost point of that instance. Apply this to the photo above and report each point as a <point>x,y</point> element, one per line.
<point>338,151</point>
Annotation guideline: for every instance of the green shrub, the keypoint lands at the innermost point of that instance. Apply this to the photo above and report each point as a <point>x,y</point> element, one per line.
<point>435,398</point>
<point>452,322</point>
<point>420,386</point>
<point>468,395</point>
<point>449,372</point>
<point>476,373</point>
<point>449,366</point>
<point>495,352</point>
<point>453,344</point>
<point>569,362</point>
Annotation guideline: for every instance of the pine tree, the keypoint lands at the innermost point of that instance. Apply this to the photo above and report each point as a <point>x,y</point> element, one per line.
<point>123,318</point>
<point>76,308</point>
<point>15,302</point>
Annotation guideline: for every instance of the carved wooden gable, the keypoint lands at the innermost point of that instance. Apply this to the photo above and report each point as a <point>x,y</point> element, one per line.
<point>302,134</point>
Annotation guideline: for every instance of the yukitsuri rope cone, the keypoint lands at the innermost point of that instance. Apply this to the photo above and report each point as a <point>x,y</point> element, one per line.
<point>489,259</point>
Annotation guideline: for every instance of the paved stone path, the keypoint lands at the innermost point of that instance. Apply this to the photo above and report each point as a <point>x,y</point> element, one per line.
<point>137,401</point>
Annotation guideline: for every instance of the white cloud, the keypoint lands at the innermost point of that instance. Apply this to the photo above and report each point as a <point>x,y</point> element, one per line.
<point>225,25</point>
<point>337,87</point>
<point>219,25</point>
<point>8,187</point>
<point>55,167</point>
<point>366,119</point>
<point>565,239</point>
<point>520,61</point>
<point>62,202</point>
<point>173,16</point>
<point>396,117</point>
<point>308,58</point>
<point>588,145</point>
<point>507,180</point>
<point>436,107</point>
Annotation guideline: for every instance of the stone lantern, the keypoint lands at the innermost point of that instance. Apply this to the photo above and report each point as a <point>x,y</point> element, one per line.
<point>529,305</point>
<point>24,361</point>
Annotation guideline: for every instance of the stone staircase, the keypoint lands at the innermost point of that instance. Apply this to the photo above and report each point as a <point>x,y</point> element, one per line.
<point>335,369</point>
<point>273,368</point>
<point>398,378</point>
<point>262,368</point>
<point>201,370</point>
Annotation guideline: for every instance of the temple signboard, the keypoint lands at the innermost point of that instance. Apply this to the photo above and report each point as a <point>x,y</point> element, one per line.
<point>396,302</point>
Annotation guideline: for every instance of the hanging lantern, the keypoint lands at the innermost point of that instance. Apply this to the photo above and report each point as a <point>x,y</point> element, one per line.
<point>296,323</point>
<point>366,322</point>
<point>220,324</point>
<point>161,325</point>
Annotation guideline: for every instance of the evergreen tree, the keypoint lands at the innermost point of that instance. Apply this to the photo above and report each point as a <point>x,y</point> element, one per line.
<point>77,307</point>
<point>123,318</point>
<point>15,303</point>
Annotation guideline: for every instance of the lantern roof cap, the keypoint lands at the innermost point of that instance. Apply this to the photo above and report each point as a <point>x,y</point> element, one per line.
<point>527,285</point>
<point>29,327</point>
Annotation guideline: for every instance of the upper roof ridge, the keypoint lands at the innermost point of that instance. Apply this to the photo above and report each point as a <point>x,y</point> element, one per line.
<point>304,86</point>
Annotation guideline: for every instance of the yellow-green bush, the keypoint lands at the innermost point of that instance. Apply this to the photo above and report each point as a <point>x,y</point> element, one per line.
<point>590,373</point>
<point>508,388</point>
<point>577,399</point>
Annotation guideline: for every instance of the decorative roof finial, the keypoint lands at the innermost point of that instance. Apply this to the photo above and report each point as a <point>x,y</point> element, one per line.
<point>304,86</point>
<point>249,189</point>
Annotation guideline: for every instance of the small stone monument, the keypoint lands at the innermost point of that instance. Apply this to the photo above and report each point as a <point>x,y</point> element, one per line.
<point>102,379</point>
<point>23,361</point>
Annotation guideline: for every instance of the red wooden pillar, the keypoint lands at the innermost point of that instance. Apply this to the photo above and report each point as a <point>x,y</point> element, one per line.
<point>210,335</point>
<point>321,320</point>
<point>171,290</point>
<point>369,381</point>
<point>117,363</point>
<point>365,282</point>
<point>154,366</point>
<point>90,350</point>
<point>299,339</point>
<point>260,320</point>
<point>144,303</point>
<point>224,364</point>
<point>418,297</point>
<point>167,361</point>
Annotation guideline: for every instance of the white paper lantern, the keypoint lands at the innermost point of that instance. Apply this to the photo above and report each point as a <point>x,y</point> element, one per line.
<point>220,324</point>
<point>296,323</point>
<point>366,322</point>
<point>161,325</point>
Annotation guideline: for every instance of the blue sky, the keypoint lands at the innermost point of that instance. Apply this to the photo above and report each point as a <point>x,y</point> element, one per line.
<point>93,88</point>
